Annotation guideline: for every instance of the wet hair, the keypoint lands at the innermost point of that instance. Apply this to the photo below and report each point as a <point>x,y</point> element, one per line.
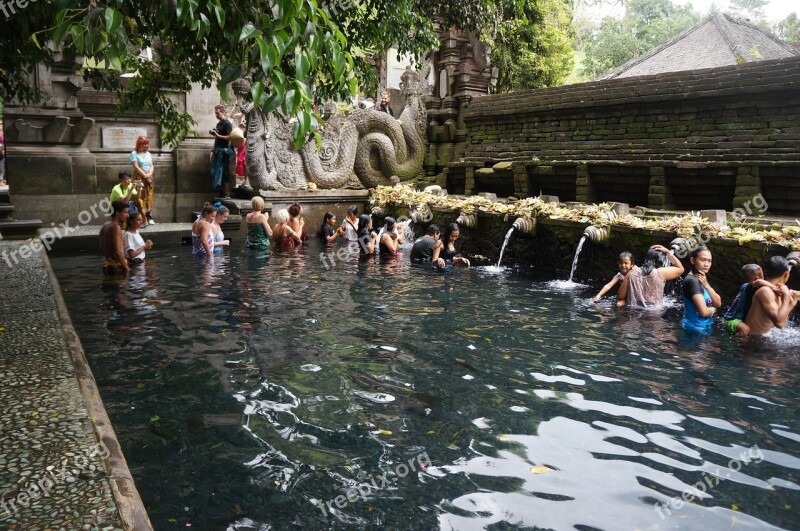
<point>750,269</point>
<point>353,209</point>
<point>258,203</point>
<point>295,209</point>
<point>222,210</point>
<point>132,217</point>
<point>119,205</point>
<point>652,260</point>
<point>389,223</point>
<point>123,174</point>
<point>141,142</point>
<point>208,208</point>
<point>219,108</point>
<point>625,254</point>
<point>450,229</point>
<point>775,267</point>
<point>327,217</point>
<point>282,216</point>
<point>363,223</point>
<point>433,229</point>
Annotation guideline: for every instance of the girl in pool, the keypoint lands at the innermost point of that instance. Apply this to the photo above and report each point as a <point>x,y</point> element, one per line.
<point>296,221</point>
<point>643,286</point>
<point>624,264</point>
<point>700,301</point>
<point>133,243</point>
<point>326,231</point>
<point>366,236</point>
<point>202,240</point>
<point>258,229</point>
<point>285,237</point>
<point>391,238</point>
<point>449,252</point>
<point>217,237</point>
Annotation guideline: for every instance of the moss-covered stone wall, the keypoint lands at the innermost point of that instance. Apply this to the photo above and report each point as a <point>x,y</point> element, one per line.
<point>711,138</point>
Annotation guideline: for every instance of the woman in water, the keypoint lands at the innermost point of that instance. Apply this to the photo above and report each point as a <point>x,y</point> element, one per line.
<point>700,301</point>
<point>296,221</point>
<point>326,231</point>
<point>351,224</point>
<point>449,252</point>
<point>202,240</point>
<point>643,287</point>
<point>366,236</point>
<point>390,238</point>
<point>258,229</point>
<point>133,243</point>
<point>285,237</point>
<point>217,237</point>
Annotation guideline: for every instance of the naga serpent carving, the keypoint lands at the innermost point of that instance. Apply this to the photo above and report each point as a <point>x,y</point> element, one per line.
<point>362,149</point>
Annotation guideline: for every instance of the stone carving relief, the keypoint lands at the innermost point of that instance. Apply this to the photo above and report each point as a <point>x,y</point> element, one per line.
<point>361,149</point>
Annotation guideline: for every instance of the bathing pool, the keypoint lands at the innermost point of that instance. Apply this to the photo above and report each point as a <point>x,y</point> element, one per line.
<point>258,392</point>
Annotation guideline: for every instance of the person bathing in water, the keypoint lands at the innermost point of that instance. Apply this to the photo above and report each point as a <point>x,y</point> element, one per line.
<point>768,309</point>
<point>624,264</point>
<point>643,286</point>
<point>700,301</point>
<point>734,317</point>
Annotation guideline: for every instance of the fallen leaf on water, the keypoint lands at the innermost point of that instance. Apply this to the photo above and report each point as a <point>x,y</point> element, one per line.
<point>540,470</point>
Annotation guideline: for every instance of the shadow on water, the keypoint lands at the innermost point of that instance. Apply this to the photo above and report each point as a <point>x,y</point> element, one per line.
<point>263,390</point>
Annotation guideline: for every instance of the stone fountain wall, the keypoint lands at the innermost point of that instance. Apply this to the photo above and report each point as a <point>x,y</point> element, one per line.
<point>548,255</point>
<point>690,140</point>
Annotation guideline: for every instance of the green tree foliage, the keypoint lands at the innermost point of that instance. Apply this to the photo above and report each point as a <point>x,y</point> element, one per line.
<point>646,24</point>
<point>748,9</point>
<point>533,51</point>
<point>789,29</point>
<point>294,51</point>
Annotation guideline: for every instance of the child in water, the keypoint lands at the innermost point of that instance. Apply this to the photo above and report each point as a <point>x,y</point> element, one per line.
<point>624,264</point>
<point>734,317</point>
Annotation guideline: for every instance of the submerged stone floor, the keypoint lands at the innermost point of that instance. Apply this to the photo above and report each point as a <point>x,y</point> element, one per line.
<point>53,471</point>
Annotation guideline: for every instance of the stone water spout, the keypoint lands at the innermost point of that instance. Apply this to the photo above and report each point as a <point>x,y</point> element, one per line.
<point>794,259</point>
<point>469,221</point>
<point>420,215</point>
<point>597,235</point>
<point>681,246</point>
<point>526,226</point>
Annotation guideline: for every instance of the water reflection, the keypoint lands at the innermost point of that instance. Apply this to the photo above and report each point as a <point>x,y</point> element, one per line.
<point>251,388</point>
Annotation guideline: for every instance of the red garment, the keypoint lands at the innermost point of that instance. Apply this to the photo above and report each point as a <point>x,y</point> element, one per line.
<point>240,159</point>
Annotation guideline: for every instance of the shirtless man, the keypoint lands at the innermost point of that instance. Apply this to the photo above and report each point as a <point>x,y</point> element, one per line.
<point>768,308</point>
<point>111,239</point>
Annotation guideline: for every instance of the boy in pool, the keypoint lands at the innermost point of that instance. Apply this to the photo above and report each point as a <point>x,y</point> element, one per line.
<point>624,264</point>
<point>734,317</point>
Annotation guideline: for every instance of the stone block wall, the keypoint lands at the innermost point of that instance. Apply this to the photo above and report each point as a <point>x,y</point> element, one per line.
<point>710,138</point>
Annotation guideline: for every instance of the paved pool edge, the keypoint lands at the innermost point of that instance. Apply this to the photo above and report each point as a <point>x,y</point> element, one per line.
<point>129,504</point>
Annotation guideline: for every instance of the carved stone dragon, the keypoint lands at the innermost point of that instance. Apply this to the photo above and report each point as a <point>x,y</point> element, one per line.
<point>362,149</point>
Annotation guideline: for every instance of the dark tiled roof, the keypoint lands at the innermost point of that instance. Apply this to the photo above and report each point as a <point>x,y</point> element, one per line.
<point>717,40</point>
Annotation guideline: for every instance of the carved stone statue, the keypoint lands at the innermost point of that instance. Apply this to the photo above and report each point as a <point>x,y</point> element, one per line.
<point>360,150</point>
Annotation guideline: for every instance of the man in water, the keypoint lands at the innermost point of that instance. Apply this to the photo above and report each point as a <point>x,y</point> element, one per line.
<point>427,248</point>
<point>769,309</point>
<point>111,239</point>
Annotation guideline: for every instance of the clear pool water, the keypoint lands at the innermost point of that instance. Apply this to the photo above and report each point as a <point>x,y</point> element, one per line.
<point>268,392</point>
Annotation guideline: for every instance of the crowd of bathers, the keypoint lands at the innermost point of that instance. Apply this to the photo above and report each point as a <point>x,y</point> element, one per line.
<point>764,300</point>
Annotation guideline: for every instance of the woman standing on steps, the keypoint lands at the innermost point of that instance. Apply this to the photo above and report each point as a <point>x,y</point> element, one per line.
<point>143,171</point>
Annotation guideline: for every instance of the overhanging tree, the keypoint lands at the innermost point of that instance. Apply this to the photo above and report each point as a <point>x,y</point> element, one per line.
<point>294,51</point>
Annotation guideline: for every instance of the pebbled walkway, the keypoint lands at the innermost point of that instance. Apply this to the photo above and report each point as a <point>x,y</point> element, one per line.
<point>60,463</point>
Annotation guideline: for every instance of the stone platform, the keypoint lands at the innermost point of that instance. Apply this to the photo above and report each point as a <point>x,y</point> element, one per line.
<point>62,467</point>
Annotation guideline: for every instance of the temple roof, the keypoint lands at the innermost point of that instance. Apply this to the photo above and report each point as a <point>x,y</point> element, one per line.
<point>717,40</point>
